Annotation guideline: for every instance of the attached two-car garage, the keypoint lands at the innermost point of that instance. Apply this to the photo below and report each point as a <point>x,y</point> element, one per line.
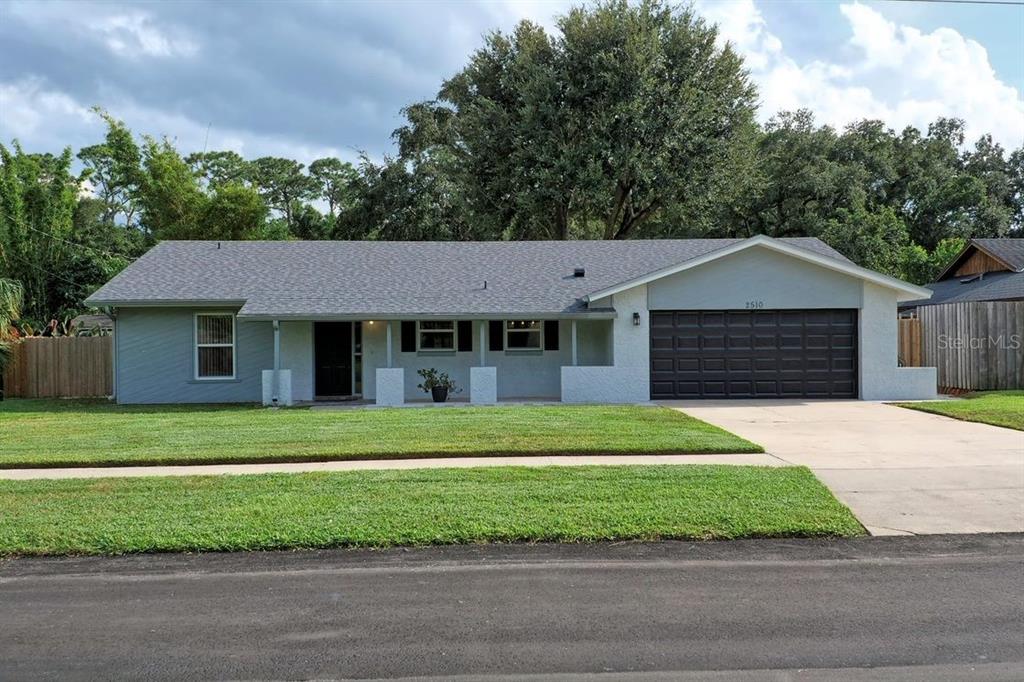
<point>754,353</point>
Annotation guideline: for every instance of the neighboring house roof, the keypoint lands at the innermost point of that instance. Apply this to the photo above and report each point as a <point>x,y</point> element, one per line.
<point>996,285</point>
<point>992,286</point>
<point>1009,252</point>
<point>338,279</point>
<point>92,321</point>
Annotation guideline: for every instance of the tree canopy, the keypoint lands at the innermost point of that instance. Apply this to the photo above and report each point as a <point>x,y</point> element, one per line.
<point>628,121</point>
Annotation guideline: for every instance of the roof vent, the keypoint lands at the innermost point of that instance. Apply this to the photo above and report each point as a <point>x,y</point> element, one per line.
<point>973,278</point>
<point>578,272</point>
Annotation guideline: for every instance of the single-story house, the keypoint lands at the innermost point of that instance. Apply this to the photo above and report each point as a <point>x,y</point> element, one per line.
<point>985,270</point>
<point>576,321</point>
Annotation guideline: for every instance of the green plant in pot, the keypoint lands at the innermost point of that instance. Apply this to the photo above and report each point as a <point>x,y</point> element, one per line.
<point>437,384</point>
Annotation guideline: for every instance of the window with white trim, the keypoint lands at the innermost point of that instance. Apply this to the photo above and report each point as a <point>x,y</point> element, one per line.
<point>524,335</point>
<point>215,346</point>
<point>435,335</point>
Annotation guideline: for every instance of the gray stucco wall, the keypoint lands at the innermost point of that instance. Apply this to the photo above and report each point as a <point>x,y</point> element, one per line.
<point>155,356</point>
<point>758,276</point>
<point>529,374</point>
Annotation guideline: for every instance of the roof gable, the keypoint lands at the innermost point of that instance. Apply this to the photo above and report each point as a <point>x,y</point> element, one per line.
<point>908,291</point>
<point>1009,253</point>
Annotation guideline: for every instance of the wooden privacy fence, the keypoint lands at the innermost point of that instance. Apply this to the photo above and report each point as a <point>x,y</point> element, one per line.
<point>977,346</point>
<point>910,342</point>
<point>60,367</point>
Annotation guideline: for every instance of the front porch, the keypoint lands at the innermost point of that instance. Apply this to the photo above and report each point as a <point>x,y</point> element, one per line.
<point>352,363</point>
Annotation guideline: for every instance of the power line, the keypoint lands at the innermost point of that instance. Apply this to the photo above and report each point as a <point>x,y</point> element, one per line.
<point>108,254</point>
<point>47,271</point>
<point>1011,3</point>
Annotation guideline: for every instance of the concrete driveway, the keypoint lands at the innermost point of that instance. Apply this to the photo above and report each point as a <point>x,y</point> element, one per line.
<point>899,470</point>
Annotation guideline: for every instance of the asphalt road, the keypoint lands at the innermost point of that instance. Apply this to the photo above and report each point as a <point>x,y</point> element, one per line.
<point>877,608</point>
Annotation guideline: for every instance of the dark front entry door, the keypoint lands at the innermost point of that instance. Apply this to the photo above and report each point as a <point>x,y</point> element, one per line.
<point>332,351</point>
<point>754,354</point>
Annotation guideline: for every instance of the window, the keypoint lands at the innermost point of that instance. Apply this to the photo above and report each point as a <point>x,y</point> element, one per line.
<point>523,334</point>
<point>436,335</point>
<point>215,346</point>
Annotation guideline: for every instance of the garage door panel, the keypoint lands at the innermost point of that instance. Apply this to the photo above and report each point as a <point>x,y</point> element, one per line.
<point>842,341</point>
<point>764,353</point>
<point>663,365</point>
<point>739,318</point>
<point>710,320</point>
<point>787,341</point>
<point>739,364</point>
<point>712,342</point>
<point>711,365</point>
<point>840,364</point>
<point>740,341</point>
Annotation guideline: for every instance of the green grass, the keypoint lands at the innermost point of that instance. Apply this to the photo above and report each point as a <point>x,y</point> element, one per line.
<point>415,507</point>
<point>39,433</point>
<point>999,408</point>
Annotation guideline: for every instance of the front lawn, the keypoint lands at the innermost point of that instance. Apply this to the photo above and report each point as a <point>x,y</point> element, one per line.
<point>413,507</point>
<point>999,408</point>
<point>39,433</point>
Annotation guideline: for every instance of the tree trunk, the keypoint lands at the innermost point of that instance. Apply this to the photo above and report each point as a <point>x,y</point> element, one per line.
<point>630,222</point>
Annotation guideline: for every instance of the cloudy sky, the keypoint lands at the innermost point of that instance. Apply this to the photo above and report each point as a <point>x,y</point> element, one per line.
<point>305,80</point>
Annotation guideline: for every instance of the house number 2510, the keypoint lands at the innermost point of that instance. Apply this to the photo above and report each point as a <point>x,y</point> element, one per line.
<point>754,305</point>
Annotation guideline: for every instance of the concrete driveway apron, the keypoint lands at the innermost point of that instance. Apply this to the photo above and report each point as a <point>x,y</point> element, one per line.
<point>899,470</point>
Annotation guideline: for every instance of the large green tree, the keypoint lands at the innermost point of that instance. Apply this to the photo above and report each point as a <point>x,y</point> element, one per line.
<point>233,211</point>
<point>592,132</point>
<point>113,171</point>
<point>38,195</point>
<point>220,168</point>
<point>170,199</point>
<point>283,185</point>
<point>335,183</point>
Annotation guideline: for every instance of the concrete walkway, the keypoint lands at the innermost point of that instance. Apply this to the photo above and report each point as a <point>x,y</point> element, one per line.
<point>362,465</point>
<point>899,470</point>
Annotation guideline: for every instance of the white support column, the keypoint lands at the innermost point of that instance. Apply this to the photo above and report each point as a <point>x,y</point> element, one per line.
<point>276,383</point>
<point>483,343</point>
<point>389,360</point>
<point>276,389</point>
<point>575,353</point>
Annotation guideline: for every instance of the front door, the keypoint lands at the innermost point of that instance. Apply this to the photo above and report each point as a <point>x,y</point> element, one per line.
<point>332,359</point>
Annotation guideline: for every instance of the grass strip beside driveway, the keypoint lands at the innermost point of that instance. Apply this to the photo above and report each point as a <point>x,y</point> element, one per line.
<point>998,408</point>
<point>41,433</point>
<point>415,507</point>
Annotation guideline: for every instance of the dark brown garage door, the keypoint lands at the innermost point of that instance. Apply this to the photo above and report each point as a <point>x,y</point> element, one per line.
<point>754,354</point>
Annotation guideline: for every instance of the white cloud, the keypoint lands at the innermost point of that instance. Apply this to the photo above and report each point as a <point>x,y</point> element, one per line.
<point>45,119</point>
<point>895,73</point>
<point>129,35</point>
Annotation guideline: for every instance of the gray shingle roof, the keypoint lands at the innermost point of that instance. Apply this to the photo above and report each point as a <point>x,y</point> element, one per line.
<point>329,278</point>
<point>1010,251</point>
<point>993,286</point>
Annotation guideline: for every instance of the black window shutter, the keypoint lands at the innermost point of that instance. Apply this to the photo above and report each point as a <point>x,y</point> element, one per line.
<point>496,335</point>
<point>550,334</point>
<point>465,334</point>
<point>408,342</point>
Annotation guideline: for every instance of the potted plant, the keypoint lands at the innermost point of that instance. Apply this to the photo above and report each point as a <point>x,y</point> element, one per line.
<point>437,384</point>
